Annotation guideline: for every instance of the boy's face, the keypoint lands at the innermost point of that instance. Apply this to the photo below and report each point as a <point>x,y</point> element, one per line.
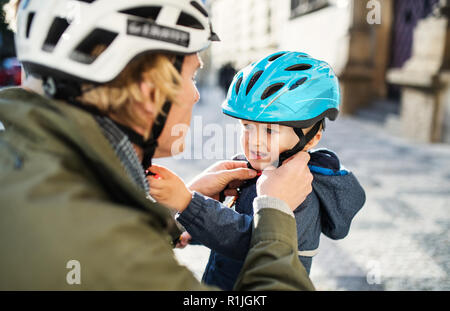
<point>263,143</point>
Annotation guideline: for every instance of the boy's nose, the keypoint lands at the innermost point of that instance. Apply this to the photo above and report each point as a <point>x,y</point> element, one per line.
<point>255,141</point>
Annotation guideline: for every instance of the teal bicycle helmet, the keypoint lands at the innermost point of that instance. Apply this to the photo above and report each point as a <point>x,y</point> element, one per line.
<point>286,88</point>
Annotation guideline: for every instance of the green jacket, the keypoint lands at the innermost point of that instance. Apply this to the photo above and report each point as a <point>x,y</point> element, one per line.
<point>64,195</point>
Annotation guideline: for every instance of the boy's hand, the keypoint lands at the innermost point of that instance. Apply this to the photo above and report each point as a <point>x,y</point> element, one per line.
<point>168,188</point>
<point>291,182</point>
<point>221,175</point>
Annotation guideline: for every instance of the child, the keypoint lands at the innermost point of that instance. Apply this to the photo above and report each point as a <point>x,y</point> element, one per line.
<point>282,102</point>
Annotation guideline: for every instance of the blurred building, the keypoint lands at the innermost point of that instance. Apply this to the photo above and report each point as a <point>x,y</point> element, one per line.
<point>251,29</point>
<point>392,53</point>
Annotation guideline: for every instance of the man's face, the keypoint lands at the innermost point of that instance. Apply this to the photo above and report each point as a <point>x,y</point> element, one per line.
<point>181,113</point>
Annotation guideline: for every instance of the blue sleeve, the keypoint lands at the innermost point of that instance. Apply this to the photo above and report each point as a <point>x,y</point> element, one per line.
<point>217,227</point>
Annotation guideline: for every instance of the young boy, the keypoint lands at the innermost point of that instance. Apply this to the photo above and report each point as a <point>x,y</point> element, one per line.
<point>282,102</point>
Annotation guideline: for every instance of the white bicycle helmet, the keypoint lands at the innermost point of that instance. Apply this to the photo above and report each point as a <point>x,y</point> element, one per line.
<point>56,37</point>
<point>55,40</point>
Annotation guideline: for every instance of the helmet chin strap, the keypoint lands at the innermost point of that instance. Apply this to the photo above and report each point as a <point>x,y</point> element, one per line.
<point>304,140</point>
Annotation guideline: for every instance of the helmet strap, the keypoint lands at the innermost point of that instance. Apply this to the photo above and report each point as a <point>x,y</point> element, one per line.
<point>61,89</point>
<point>304,140</point>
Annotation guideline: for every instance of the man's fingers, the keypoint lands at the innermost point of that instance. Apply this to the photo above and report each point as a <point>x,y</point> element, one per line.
<point>239,173</point>
<point>302,157</point>
<point>156,183</point>
<point>231,165</point>
<point>270,168</point>
<point>160,170</point>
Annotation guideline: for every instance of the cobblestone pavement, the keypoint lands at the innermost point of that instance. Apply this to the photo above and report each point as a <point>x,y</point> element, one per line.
<point>400,239</point>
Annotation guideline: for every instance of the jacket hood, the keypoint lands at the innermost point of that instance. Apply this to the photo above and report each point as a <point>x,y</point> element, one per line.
<point>340,194</point>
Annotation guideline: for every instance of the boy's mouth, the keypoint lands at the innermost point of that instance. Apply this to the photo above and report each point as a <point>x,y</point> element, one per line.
<point>257,155</point>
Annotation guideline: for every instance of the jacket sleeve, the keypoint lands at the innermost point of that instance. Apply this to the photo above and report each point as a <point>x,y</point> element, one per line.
<point>133,255</point>
<point>272,262</point>
<point>217,227</point>
<point>125,249</point>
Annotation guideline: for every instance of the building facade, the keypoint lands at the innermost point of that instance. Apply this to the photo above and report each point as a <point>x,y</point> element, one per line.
<point>382,50</point>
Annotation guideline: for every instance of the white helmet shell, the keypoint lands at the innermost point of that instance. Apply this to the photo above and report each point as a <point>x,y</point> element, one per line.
<point>57,37</point>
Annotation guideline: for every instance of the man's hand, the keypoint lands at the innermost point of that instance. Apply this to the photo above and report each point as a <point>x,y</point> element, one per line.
<point>224,174</point>
<point>291,182</point>
<point>168,188</point>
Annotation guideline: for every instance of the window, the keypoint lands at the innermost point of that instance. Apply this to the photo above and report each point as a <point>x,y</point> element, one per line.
<point>302,7</point>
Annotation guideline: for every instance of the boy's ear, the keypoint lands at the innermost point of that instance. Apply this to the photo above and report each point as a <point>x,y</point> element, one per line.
<point>313,142</point>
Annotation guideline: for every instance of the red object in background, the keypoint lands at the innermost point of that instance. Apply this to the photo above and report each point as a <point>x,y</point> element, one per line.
<point>11,77</point>
<point>10,72</point>
<point>3,77</point>
<point>14,75</point>
<point>17,75</point>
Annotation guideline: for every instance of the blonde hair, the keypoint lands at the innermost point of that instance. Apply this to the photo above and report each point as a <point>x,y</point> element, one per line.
<point>121,95</point>
<point>10,11</point>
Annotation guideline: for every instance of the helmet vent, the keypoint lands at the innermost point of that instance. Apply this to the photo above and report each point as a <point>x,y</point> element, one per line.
<point>299,67</point>
<point>253,81</point>
<point>272,90</point>
<point>29,23</point>
<point>57,29</point>
<point>297,84</point>
<point>275,57</point>
<point>93,46</point>
<point>238,85</point>
<point>189,21</point>
<point>198,6</point>
<point>147,12</point>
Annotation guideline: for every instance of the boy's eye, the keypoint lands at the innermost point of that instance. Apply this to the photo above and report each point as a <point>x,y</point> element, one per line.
<point>271,131</point>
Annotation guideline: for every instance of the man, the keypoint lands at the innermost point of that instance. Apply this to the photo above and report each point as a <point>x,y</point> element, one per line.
<point>118,76</point>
